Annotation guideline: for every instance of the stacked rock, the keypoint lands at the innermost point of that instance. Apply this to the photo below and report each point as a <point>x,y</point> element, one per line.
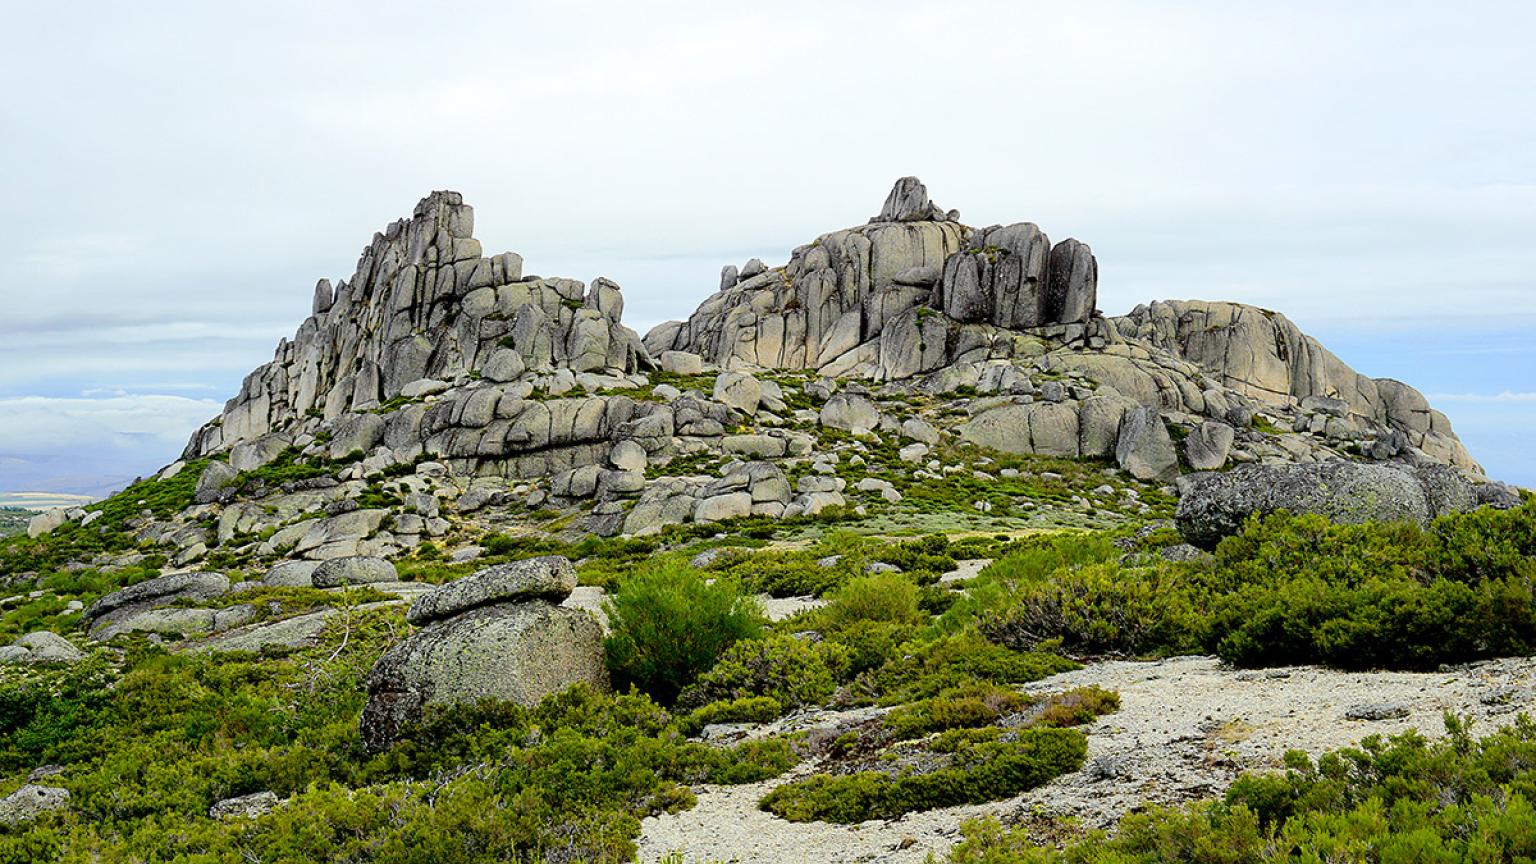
<point>497,634</point>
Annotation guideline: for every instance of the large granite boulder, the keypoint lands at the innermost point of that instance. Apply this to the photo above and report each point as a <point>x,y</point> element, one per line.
<point>1214,505</point>
<point>497,634</point>
<point>353,570</point>
<point>40,647</point>
<point>548,577</point>
<point>115,612</point>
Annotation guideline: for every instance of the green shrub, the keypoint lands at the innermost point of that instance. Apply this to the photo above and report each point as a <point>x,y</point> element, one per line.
<point>1027,563</point>
<point>966,706</point>
<point>669,625</point>
<point>927,669</point>
<point>793,672</point>
<point>980,771</point>
<point>1099,610</point>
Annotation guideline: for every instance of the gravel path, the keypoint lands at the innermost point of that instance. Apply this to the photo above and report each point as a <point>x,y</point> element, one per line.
<point>1187,726</point>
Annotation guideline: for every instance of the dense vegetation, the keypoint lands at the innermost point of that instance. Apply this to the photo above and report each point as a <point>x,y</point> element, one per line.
<point>150,737</point>
<point>1287,590</point>
<point>13,520</point>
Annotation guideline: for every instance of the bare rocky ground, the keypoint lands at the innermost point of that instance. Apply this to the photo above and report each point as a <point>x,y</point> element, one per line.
<point>1186,728</point>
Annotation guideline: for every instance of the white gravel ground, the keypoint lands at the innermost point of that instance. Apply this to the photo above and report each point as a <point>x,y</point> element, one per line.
<point>1186,727</point>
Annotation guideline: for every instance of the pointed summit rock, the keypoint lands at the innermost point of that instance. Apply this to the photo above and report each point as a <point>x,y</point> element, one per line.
<point>908,202</point>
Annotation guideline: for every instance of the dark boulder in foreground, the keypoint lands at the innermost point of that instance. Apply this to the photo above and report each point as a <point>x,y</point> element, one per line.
<point>1213,505</point>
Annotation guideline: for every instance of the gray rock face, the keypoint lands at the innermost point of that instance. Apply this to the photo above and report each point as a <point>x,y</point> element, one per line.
<point>250,455</point>
<point>520,652</point>
<point>30,802</point>
<point>1262,354</point>
<point>1145,449</point>
<point>1072,289</point>
<point>908,202</point>
<point>213,481</point>
<point>353,570</point>
<point>296,574</point>
<point>40,647</point>
<point>549,577</point>
<point>1207,447</point>
<point>1212,505</point>
<point>106,616</point>
<point>424,304</point>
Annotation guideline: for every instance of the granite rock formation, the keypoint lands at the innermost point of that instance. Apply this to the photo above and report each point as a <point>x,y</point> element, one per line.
<point>497,634</point>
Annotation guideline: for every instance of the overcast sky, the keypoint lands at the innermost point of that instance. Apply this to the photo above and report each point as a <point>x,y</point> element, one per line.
<point>176,176</point>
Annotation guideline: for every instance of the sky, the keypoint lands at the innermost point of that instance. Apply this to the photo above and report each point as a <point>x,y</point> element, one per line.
<point>174,177</point>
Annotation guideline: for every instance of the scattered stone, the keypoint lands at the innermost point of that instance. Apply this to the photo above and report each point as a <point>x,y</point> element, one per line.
<point>1376,711</point>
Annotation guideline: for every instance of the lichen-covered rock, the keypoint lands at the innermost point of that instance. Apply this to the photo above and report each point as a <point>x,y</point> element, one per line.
<point>107,614</point>
<point>41,646</point>
<point>519,652</point>
<point>353,570</point>
<point>1214,505</point>
<point>245,806</point>
<point>30,802</point>
<point>548,577</point>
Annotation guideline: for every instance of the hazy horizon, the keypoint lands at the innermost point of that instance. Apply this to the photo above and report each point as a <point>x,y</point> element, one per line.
<point>175,191</point>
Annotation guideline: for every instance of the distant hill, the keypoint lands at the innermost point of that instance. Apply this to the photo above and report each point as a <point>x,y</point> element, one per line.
<point>13,520</point>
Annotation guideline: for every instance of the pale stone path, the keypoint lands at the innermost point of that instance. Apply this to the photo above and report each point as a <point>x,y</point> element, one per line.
<point>1187,726</point>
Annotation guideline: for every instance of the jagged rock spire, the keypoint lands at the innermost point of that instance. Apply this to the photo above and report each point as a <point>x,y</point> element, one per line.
<point>908,202</point>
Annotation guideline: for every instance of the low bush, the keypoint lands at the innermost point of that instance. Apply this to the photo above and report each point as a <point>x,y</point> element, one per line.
<point>1285,590</point>
<point>793,672</point>
<point>926,669</point>
<point>1099,610</point>
<point>979,771</point>
<point>669,625</point>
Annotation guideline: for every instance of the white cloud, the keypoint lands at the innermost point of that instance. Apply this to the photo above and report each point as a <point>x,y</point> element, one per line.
<point>1505,396</point>
<point>45,425</point>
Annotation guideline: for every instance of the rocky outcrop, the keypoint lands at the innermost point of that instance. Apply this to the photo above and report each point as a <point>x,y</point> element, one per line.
<point>424,313</point>
<point>890,299</point>
<point>497,634</point>
<point>1215,505</point>
<point>435,376</point>
<point>1263,355</point>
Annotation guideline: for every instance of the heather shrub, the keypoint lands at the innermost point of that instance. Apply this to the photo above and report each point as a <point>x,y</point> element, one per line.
<point>669,626</point>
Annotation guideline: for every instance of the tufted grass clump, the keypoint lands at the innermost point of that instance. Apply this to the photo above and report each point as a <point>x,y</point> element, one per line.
<point>981,769</point>
<point>669,625</point>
